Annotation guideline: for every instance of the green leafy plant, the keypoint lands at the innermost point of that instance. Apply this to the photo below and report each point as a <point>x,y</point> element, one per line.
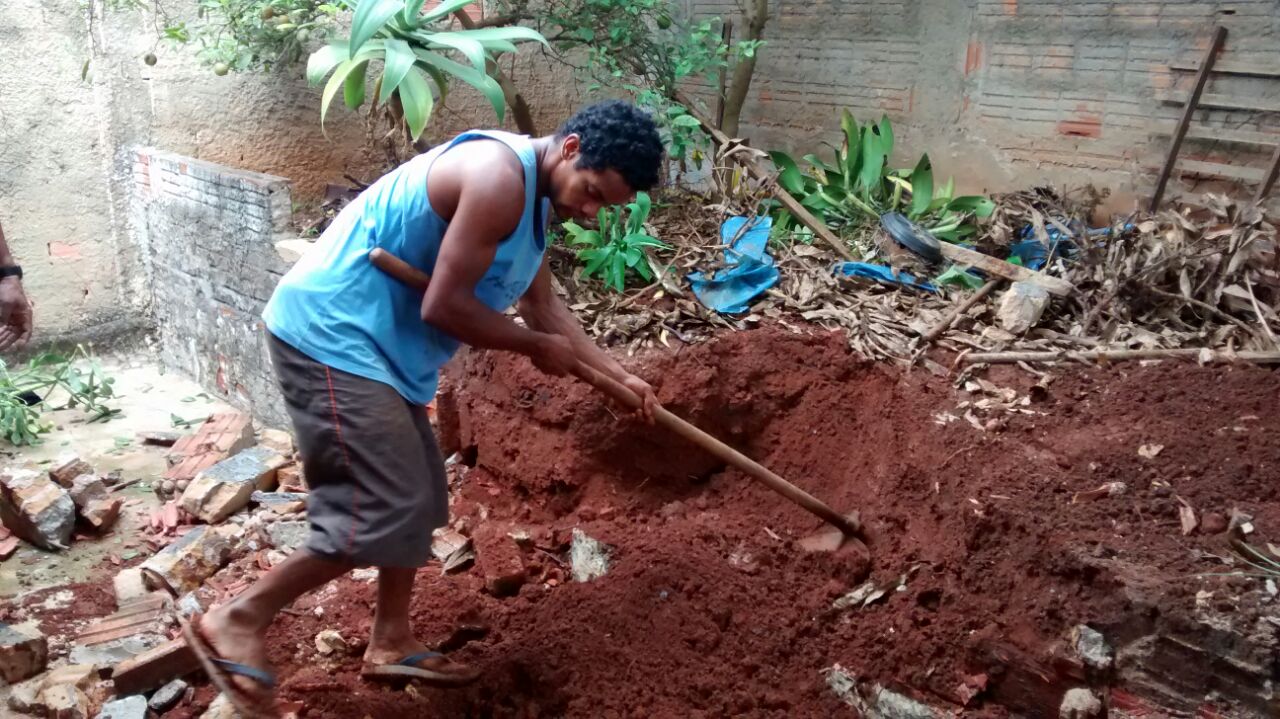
<point>858,186</point>
<point>412,46</point>
<point>617,246</point>
<point>26,391</point>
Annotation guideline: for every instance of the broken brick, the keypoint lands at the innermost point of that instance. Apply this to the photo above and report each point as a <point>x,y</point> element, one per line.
<point>499,560</point>
<point>186,563</point>
<point>85,488</point>
<point>154,668</point>
<point>68,469</point>
<point>221,490</point>
<point>138,626</point>
<point>36,509</point>
<point>8,546</point>
<point>101,514</point>
<point>23,653</point>
<point>291,476</point>
<point>218,438</point>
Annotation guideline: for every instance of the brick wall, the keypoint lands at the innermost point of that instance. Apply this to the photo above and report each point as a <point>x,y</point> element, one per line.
<point>208,233</point>
<point>1008,93</point>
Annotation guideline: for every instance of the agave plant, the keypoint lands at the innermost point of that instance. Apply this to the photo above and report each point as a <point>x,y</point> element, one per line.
<point>858,186</point>
<point>409,42</point>
<point>616,245</point>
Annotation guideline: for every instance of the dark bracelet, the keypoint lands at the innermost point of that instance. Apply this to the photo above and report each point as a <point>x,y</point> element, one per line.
<point>11,271</point>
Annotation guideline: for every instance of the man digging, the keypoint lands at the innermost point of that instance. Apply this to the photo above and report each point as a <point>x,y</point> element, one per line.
<point>358,355</point>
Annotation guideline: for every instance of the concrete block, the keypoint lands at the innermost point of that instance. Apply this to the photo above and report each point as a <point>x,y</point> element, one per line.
<point>277,439</point>
<point>1021,307</point>
<point>225,488</point>
<point>85,488</point>
<point>588,558</point>
<point>68,469</point>
<point>36,509</point>
<point>184,565</point>
<point>167,696</point>
<point>23,653</point>
<point>134,707</point>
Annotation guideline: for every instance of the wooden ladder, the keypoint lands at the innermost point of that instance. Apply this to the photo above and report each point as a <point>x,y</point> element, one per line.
<point>1266,179</point>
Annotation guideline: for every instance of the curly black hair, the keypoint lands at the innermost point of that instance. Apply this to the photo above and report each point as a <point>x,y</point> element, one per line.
<point>617,135</point>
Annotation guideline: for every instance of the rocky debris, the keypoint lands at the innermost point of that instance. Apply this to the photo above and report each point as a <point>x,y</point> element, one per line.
<point>189,605</point>
<point>159,439</point>
<point>167,696</point>
<point>68,470</point>
<point>588,558</point>
<point>101,514</point>
<point>185,564</point>
<point>873,701</point>
<point>281,503</point>
<point>134,707</point>
<point>288,536</point>
<point>1080,703</point>
<point>36,509</point>
<point>154,668</point>
<point>1021,306</point>
<point>8,543</point>
<point>85,488</point>
<point>1213,523</point>
<point>220,709</point>
<point>129,585</point>
<point>224,488</point>
<point>1093,648</point>
<point>23,653</point>
<point>499,560</point>
<point>69,692</point>
<point>452,549</point>
<point>291,476</point>
<point>330,642</point>
<point>221,436</point>
<point>278,440</point>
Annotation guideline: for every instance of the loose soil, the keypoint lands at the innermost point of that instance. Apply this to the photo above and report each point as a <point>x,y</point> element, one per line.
<point>710,609</point>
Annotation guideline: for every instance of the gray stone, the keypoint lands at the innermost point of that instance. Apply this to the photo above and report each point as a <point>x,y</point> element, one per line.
<point>588,558</point>
<point>23,653</point>
<point>1080,703</point>
<point>1021,307</point>
<point>288,536</point>
<point>167,696</point>
<point>226,487</point>
<point>875,702</point>
<point>1093,648</point>
<point>278,499</point>
<point>134,707</point>
<point>36,509</point>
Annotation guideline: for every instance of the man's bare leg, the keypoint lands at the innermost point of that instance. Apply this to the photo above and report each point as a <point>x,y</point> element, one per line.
<point>235,629</point>
<point>392,637</point>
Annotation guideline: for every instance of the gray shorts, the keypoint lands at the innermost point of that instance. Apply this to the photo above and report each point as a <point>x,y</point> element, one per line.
<point>377,480</point>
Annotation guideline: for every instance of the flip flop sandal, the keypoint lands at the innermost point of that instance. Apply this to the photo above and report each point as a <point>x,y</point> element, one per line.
<point>912,236</point>
<point>221,670</point>
<point>408,668</point>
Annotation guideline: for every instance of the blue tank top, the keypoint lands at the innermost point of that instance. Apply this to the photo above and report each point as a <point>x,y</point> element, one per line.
<point>337,308</point>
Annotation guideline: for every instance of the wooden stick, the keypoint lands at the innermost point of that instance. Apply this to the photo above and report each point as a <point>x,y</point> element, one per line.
<point>955,313</point>
<point>417,279</point>
<point>726,36</point>
<point>753,168</point>
<point>1272,173</point>
<point>1202,79</point>
<point>1116,355</point>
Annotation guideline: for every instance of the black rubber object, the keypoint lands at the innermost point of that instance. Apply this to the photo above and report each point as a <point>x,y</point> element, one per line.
<point>912,236</point>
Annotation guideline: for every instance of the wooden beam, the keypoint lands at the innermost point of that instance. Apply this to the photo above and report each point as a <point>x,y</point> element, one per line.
<point>1270,180</point>
<point>1222,102</point>
<point>154,668</point>
<point>1202,79</point>
<point>1008,270</point>
<point>1231,68</point>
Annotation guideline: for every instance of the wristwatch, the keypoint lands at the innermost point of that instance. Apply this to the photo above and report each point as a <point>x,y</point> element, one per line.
<point>11,271</point>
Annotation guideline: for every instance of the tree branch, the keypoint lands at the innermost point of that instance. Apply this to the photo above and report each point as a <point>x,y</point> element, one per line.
<point>520,111</point>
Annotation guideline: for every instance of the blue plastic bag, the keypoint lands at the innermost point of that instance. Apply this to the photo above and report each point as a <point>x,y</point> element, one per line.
<point>883,274</point>
<point>750,272</point>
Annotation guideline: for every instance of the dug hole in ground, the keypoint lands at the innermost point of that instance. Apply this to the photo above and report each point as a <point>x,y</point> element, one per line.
<point>992,592</point>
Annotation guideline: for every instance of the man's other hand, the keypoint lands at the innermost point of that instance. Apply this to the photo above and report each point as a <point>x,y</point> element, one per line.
<point>15,314</point>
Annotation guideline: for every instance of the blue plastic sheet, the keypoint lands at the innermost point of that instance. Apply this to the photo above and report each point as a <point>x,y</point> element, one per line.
<point>883,274</point>
<point>750,268</point>
<point>1034,254</point>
